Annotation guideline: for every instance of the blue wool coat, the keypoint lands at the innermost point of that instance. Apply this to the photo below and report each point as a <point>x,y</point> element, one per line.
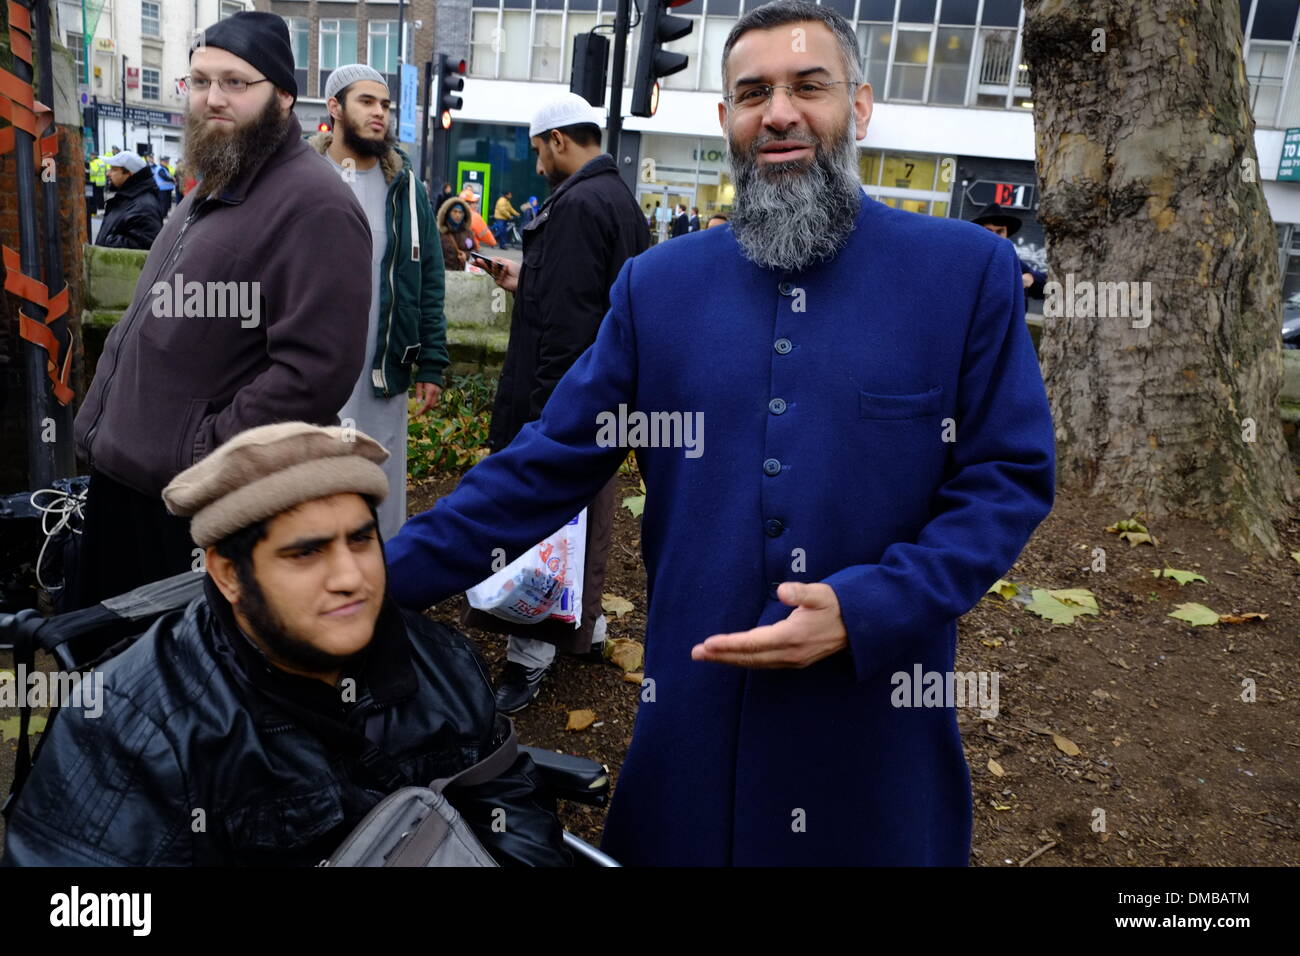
<point>878,423</point>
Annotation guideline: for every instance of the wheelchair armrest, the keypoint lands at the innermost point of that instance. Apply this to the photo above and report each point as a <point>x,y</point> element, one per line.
<point>572,778</point>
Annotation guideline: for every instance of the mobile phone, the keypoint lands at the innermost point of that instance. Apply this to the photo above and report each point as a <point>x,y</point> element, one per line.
<point>486,261</point>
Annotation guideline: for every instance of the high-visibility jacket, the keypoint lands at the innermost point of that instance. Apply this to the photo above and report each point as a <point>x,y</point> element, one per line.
<point>99,171</point>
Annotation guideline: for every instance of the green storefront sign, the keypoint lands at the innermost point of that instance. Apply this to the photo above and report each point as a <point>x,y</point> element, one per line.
<point>1288,167</point>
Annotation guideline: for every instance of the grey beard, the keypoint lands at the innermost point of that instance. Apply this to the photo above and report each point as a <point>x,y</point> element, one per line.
<point>786,218</point>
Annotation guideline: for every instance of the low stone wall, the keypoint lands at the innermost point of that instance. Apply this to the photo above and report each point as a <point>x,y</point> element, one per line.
<point>478,312</point>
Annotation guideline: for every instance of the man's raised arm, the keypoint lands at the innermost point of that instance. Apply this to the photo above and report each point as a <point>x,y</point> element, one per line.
<point>516,497</point>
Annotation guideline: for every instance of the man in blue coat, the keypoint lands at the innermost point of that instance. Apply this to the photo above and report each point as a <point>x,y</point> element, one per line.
<point>840,456</point>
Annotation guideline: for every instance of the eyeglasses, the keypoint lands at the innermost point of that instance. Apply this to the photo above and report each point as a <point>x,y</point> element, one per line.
<point>228,84</point>
<point>805,91</point>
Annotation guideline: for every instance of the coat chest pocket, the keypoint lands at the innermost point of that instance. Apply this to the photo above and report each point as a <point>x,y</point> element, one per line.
<point>286,823</point>
<point>900,407</point>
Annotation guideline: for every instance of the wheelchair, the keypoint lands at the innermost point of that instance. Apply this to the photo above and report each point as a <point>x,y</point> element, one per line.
<point>78,640</point>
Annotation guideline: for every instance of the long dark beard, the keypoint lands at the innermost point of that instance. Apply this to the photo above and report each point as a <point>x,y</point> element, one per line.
<point>787,217</point>
<point>270,629</point>
<point>358,144</point>
<point>216,158</point>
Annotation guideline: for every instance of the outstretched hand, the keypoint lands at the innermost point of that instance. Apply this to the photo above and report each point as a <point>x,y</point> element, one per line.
<point>814,630</point>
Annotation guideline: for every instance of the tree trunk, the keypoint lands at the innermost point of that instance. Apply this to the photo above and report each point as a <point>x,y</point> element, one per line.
<point>1146,159</point>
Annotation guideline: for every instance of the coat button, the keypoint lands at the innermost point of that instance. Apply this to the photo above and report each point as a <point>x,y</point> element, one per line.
<point>771,467</point>
<point>782,346</point>
<point>773,527</point>
<point>776,406</point>
<point>785,288</point>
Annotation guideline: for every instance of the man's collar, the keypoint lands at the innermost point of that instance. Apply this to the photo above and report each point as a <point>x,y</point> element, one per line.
<point>593,167</point>
<point>383,669</point>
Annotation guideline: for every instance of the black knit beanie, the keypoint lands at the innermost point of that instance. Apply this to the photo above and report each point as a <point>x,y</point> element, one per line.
<point>260,38</point>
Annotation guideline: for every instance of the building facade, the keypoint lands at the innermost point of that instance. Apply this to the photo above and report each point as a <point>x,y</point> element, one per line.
<point>326,35</point>
<point>138,49</point>
<point>952,127</point>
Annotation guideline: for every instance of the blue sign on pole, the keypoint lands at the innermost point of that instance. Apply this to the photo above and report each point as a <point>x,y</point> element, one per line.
<point>410,90</point>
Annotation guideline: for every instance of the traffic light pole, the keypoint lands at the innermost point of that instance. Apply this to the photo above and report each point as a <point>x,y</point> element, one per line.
<point>615,124</point>
<point>429,105</point>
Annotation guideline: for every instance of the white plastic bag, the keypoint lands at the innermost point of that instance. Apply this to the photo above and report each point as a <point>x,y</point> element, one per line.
<point>545,581</point>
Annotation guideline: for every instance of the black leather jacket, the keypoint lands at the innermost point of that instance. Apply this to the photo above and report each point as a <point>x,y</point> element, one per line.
<point>132,219</point>
<point>192,763</point>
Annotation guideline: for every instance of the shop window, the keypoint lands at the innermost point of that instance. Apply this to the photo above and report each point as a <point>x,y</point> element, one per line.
<point>911,54</point>
<point>484,40</point>
<point>548,51</point>
<point>514,45</point>
<point>952,54</point>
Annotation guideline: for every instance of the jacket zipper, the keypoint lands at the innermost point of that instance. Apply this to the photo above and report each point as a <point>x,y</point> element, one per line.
<point>392,299</point>
<point>172,256</point>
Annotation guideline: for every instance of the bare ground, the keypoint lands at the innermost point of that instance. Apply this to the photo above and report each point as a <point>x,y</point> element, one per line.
<point>1179,768</point>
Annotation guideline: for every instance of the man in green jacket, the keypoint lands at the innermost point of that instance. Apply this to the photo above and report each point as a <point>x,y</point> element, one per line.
<point>408,332</point>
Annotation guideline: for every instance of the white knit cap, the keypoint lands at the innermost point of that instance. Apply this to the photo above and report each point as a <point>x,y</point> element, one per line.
<point>128,161</point>
<point>347,75</point>
<point>566,109</point>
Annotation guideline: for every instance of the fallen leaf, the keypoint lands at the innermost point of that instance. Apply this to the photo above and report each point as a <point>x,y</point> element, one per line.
<point>633,677</point>
<point>996,642</point>
<point>1004,589</point>
<point>1296,555</point>
<point>1080,596</point>
<point>995,768</point>
<point>625,652</point>
<point>9,727</point>
<point>636,503</point>
<point>1242,618</point>
<point>1066,745</point>
<point>1128,524</point>
<point>998,806</point>
<point>613,604</point>
<point>1197,615</point>
<point>580,719</point>
<point>1048,605</point>
<point>1182,577</point>
<point>1132,531</point>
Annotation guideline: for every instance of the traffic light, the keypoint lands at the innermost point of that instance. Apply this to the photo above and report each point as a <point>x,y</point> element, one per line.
<point>451,80</point>
<point>589,77</point>
<point>657,28</point>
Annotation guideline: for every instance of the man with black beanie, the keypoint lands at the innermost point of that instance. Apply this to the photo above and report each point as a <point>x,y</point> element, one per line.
<point>235,323</point>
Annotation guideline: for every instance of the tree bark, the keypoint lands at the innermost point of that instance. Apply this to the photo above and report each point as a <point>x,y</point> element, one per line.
<point>1146,159</point>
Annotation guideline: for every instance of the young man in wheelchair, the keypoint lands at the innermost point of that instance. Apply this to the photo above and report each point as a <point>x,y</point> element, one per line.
<point>263,722</point>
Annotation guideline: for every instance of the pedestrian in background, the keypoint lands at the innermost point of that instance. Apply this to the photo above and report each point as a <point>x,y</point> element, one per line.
<point>166,183</point>
<point>681,225</point>
<point>694,221</point>
<point>502,215</point>
<point>482,234</point>
<point>132,215</point>
<point>588,227</point>
<point>529,212</point>
<point>453,231</point>
<point>1002,222</point>
<point>406,331</point>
